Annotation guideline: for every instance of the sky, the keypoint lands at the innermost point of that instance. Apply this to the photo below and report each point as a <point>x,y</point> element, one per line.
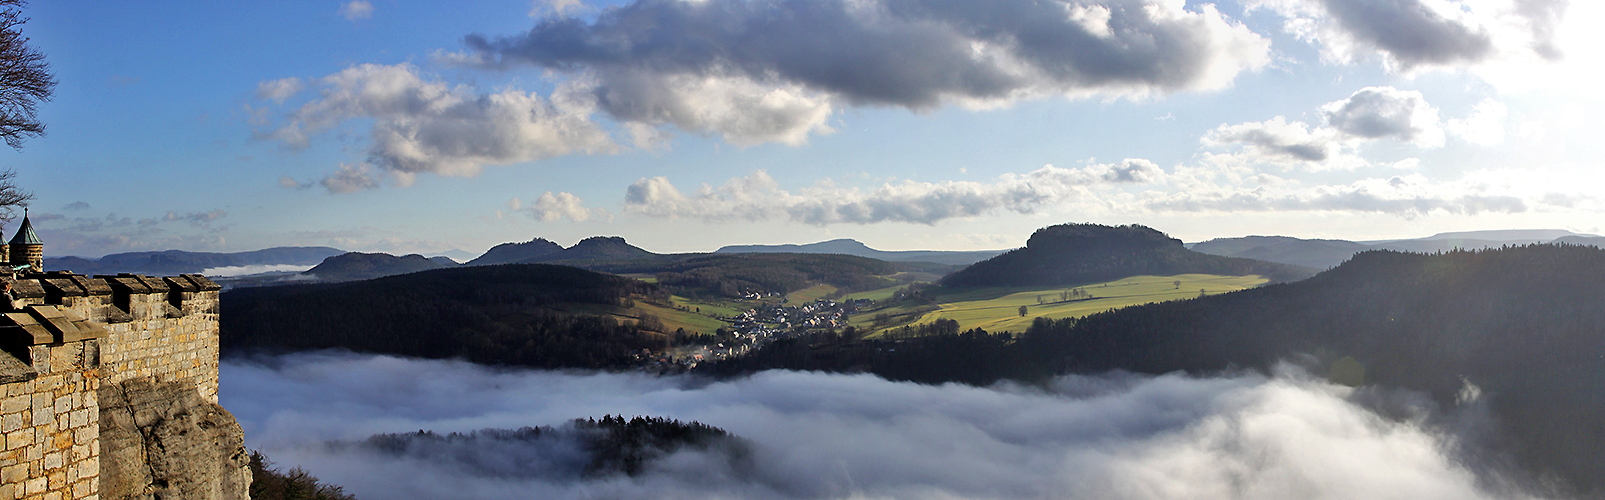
<point>686,125</point>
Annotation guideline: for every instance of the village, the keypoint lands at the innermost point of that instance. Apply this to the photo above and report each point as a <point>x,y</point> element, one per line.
<point>766,321</point>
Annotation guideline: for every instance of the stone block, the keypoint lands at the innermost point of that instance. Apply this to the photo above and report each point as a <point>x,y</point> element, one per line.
<point>14,421</point>
<point>13,474</point>
<point>35,485</point>
<point>15,404</point>
<point>44,416</point>
<point>19,438</point>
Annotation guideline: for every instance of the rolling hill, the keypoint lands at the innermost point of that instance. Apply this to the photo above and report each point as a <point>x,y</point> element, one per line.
<point>1324,254</point>
<point>853,247</point>
<point>173,262</point>
<point>512,314</point>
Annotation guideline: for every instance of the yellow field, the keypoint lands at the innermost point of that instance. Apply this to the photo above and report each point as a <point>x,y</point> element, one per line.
<point>672,318</point>
<point>997,309</point>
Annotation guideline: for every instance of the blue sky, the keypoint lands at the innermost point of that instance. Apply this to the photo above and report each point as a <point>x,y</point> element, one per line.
<point>685,125</point>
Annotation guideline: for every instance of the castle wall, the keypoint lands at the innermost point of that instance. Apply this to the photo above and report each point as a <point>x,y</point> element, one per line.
<point>52,427</point>
<point>87,336</point>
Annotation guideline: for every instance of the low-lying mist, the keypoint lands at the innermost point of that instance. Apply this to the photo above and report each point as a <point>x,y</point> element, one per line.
<point>816,435</point>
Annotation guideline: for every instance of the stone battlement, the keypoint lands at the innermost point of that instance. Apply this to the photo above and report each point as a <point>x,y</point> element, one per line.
<point>74,344</point>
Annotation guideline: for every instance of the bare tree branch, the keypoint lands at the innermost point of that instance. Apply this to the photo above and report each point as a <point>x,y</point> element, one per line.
<point>25,79</point>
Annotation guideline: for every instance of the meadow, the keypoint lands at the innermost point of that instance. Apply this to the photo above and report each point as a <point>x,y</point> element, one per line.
<point>997,309</point>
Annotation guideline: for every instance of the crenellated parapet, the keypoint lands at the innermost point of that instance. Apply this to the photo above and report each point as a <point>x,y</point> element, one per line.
<point>67,338</point>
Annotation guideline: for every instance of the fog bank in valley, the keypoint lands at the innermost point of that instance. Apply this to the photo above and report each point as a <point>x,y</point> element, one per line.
<point>849,436</point>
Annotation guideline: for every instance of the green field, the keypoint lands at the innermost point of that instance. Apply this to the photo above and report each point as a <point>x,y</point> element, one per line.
<point>878,294</point>
<point>810,294</point>
<point>997,309</point>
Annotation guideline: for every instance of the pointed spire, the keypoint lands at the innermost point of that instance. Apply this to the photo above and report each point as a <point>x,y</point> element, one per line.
<point>25,234</point>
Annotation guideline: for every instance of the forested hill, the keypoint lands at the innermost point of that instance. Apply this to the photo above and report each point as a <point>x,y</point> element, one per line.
<point>1524,324</point>
<point>352,266</point>
<point>486,314</point>
<point>1070,254</point>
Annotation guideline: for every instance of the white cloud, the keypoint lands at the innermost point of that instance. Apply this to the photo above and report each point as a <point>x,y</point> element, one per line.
<point>1386,112</point>
<point>776,71</point>
<point>1413,34</point>
<point>1222,190</point>
<point>427,126</point>
<point>279,90</point>
<point>1370,114</point>
<point>1485,126</point>
<point>550,207</point>
<point>543,8</point>
<point>743,111</point>
<point>356,9</point>
<point>758,197</point>
<point>857,436</point>
<point>1276,139</point>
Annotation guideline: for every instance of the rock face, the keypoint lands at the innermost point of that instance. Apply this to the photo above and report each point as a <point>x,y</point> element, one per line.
<point>164,441</point>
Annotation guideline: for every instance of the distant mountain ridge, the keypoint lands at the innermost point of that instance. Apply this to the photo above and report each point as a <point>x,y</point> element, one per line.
<point>1325,254</point>
<point>172,262</point>
<point>1070,254</point>
<point>353,266</point>
<point>847,246</point>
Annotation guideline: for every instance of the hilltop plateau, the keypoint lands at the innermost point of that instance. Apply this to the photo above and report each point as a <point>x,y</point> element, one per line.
<point>1074,254</point>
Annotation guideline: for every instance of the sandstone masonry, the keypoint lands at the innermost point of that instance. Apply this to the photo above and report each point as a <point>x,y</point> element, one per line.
<point>145,347</point>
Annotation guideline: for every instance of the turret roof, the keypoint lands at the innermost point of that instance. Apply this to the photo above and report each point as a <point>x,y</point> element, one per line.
<point>25,234</point>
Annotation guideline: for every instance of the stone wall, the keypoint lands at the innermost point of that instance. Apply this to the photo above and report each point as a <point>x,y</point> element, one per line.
<point>76,342</point>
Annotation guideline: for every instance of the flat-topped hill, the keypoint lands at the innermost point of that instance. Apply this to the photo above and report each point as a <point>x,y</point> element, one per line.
<point>353,266</point>
<point>1070,254</point>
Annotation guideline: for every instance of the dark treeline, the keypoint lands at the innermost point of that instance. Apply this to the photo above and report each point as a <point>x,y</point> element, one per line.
<point>1069,254</point>
<point>612,445</point>
<point>492,314</point>
<point>272,483</point>
<point>1524,324</point>
<point>736,274</point>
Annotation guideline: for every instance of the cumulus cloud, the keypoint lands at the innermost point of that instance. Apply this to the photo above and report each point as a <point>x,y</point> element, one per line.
<point>856,436</point>
<point>773,71</point>
<point>356,9</point>
<point>1371,113</point>
<point>422,125</point>
<point>554,207</point>
<point>759,197</point>
<point>77,205</point>
<point>1386,112</point>
<point>1276,138</point>
<point>1412,34</point>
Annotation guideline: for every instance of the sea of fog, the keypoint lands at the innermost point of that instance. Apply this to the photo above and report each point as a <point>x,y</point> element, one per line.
<point>814,435</point>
